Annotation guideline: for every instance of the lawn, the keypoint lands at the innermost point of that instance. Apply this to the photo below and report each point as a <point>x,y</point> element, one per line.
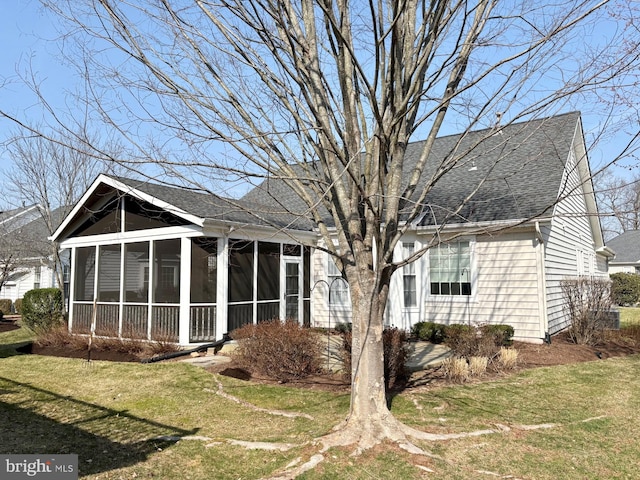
<point>629,316</point>
<point>122,420</point>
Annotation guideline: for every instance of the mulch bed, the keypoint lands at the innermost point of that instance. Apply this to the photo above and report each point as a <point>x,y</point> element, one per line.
<point>7,324</point>
<point>559,352</point>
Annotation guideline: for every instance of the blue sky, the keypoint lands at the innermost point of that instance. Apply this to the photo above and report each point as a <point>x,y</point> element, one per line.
<point>27,36</point>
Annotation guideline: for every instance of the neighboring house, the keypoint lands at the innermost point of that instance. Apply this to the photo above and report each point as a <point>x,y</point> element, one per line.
<point>627,248</point>
<point>158,262</point>
<point>25,252</point>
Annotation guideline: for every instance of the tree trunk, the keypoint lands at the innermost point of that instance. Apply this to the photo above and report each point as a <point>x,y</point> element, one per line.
<point>369,421</point>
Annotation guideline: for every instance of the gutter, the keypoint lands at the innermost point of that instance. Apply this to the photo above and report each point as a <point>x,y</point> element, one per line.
<point>543,282</point>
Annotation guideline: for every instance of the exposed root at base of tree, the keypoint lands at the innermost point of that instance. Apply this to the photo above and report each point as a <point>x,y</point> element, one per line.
<point>220,391</point>
<point>364,438</point>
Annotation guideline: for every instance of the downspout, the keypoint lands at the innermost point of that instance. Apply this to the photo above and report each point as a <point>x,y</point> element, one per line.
<point>542,284</point>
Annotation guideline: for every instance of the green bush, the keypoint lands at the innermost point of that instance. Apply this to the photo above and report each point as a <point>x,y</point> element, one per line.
<point>5,306</point>
<point>625,288</point>
<point>501,334</point>
<point>343,327</point>
<point>283,351</point>
<point>42,309</point>
<point>428,332</point>
<point>17,305</point>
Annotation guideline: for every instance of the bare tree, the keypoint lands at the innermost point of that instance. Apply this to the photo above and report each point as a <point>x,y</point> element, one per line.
<point>326,95</point>
<point>619,201</point>
<point>52,173</point>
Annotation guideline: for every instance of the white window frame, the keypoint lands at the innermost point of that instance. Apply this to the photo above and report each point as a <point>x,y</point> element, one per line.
<point>338,289</point>
<point>472,274</point>
<point>408,273</point>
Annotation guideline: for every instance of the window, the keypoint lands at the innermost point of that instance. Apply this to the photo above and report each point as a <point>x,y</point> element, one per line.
<point>409,277</point>
<point>37,274</point>
<point>450,269</point>
<point>338,288</point>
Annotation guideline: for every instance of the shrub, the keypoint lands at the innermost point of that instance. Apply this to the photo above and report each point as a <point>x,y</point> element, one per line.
<point>396,353</point>
<point>501,334</point>
<point>17,305</point>
<point>428,332</point>
<point>60,337</point>
<point>587,302</point>
<point>343,327</point>
<point>42,309</point>
<point>507,358</point>
<point>456,369</point>
<point>5,306</point>
<point>395,357</point>
<point>462,339</point>
<point>283,351</point>
<point>468,341</point>
<point>625,288</point>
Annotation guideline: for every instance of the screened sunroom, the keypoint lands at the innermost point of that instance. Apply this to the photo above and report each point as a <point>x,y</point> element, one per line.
<point>146,270</point>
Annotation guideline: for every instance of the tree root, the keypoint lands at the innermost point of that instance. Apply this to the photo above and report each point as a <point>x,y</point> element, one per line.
<point>280,413</point>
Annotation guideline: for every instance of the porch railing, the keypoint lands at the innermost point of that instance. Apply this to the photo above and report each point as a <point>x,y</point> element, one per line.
<point>202,326</point>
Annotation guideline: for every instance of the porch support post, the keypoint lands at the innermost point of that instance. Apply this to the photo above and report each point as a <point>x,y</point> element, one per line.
<point>222,323</point>
<point>185,291</point>
<point>72,285</point>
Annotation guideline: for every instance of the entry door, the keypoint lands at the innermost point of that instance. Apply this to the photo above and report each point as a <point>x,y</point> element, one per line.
<point>292,282</point>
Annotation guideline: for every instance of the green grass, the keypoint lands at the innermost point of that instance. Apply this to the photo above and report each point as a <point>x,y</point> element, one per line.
<point>9,341</point>
<point>112,415</point>
<point>629,316</point>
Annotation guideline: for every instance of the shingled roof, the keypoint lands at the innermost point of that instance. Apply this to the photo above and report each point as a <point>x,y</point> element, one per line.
<point>626,246</point>
<point>517,171</point>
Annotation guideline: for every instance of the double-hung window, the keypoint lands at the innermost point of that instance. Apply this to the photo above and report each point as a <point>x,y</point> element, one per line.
<point>409,277</point>
<point>338,288</point>
<point>450,268</point>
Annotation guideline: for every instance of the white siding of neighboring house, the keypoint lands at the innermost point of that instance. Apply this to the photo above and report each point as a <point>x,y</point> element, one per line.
<point>623,269</point>
<point>570,249</point>
<point>16,289</point>
<point>506,289</point>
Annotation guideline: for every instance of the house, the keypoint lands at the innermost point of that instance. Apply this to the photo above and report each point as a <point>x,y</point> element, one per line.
<point>25,253</point>
<point>627,248</point>
<point>158,262</point>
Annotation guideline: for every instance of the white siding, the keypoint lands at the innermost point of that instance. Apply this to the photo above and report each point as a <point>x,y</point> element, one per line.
<point>506,288</point>
<point>322,315</point>
<point>21,285</point>
<point>570,249</point>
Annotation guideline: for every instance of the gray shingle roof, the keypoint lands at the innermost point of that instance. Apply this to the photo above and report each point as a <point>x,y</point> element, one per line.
<point>626,246</point>
<point>517,172</point>
<point>208,206</point>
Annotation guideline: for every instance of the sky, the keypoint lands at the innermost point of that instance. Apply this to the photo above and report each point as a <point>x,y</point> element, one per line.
<point>27,36</point>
